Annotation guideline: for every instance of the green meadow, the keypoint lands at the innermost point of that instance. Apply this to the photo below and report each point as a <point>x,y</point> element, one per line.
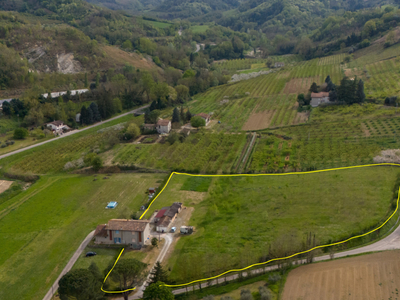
<point>42,227</point>
<point>241,219</point>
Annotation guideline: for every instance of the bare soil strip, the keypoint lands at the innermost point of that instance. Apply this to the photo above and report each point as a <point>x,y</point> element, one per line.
<point>372,276</point>
<point>4,185</point>
<point>299,85</point>
<point>260,120</point>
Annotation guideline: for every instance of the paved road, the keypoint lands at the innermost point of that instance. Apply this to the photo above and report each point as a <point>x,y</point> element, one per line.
<point>72,132</point>
<point>391,242</point>
<point>69,265</point>
<point>168,241</point>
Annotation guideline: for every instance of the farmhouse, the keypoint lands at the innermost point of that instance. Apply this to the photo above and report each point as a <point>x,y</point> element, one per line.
<point>205,117</point>
<point>57,126</point>
<point>318,98</point>
<point>122,231</point>
<point>163,126</point>
<point>279,65</point>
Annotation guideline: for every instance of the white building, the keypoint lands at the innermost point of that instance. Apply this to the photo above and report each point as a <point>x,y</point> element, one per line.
<point>205,117</point>
<point>163,126</point>
<point>57,126</point>
<point>2,101</point>
<point>318,98</point>
<point>58,94</point>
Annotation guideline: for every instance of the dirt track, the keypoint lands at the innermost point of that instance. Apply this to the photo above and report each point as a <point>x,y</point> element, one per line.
<point>4,185</point>
<point>373,276</point>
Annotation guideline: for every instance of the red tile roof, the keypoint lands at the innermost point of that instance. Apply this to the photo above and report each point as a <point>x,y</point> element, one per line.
<point>319,95</point>
<point>127,225</point>
<point>101,231</point>
<point>204,115</point>
<point>163,122</point>
<point>161,213</point>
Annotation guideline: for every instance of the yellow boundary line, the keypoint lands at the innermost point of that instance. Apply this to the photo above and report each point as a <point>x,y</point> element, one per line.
<point>271,260</point>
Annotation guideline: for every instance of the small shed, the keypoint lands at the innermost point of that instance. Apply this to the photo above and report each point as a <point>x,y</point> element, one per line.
<point>160,214</point>
<point>152,190</point>
<point>163,225</point>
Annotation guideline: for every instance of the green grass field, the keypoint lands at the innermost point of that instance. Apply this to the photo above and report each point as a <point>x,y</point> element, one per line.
<point>43,226</point>
<point>241,219</point>
<point>157,24</point>
<point>199,28</point>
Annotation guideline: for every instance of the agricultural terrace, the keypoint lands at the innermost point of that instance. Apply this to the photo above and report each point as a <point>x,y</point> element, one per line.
<point>268,100</point>
<point>234,65</point>
<point>43,226</point>
<point>53,157</point>
<point>373,276</point>
<point>337,136</point>
<point>200,152</point>
<point>243,220</point>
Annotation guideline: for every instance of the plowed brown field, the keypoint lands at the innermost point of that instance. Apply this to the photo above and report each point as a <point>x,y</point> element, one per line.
<point>299,85</point>
<point>260,120</point>
<point>373,276</point>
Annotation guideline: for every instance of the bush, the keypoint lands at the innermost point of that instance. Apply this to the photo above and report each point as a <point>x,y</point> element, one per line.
<point>132,132</point>
<point>94,161</point>
<point>20,133</point>
<point>197,122</point>
<point>246,295</point>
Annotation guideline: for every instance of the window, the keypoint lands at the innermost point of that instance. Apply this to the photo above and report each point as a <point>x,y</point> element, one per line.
<point>116,231</point>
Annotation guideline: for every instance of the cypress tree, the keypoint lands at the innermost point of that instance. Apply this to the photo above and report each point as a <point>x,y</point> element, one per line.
<point>360,94</point>
<point>158,274</point>
<point>90,119</point>
<point>86,80</point>
<point>188,115</point>
<point>95,110</point>
<point>183,116</point>
<point>175,116</point>
<point>153,105</point>
<point>84,115</point>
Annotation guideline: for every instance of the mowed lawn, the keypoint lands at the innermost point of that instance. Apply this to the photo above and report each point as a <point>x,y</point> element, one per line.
<point>42,227</point>
<point>241,219</point>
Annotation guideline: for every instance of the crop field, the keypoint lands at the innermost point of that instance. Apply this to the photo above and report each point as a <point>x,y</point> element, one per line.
<point>373,54</point>
<point>43,226</point>
<point>384,79</point>
<point>240,220</point>
<point>372,276</point>
<point>250,63</point>
<point>200,152</point>
<point>268,100</point>
<point>51,157</point>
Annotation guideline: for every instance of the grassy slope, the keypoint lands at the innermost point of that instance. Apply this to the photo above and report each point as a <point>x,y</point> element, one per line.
<point>52,157</point>
<point>42,227</point>
<point>242,217</point>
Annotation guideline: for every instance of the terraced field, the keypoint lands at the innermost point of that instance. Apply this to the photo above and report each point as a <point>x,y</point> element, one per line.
<point>268,100</point>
